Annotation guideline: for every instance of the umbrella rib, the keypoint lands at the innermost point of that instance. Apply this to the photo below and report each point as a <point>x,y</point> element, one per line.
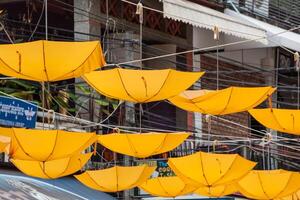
<point>181,192</point>
<point>174,168</point>
<point>165,81</point>
<point>90,141</point>
<point>44,60</point>
<point>43,169</point>
<point>96,88</point>
<point>194,103</point>
<point>131,145</point>
<point>203,173</point>
<point>54,145</point>
<point>19,145</point>
<point>277,196</point>
<point>221,177</point>
<point>262,187</point>
<point>293,121</point>
<point>226,105</point>
<point>145,168</point>
<point>259,100</point>
<point>117,178</point>
<point>93,180</point>
<point>62,173</point>
<point>125,87</point>
<point>275,118</point>
<point>162,187</point>
<point>29,77</point>
<point>160,146</point>
<point>58,78</point>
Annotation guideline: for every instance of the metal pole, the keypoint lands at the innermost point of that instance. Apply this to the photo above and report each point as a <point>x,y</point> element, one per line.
<point>218,65</point>
<point>43,103</point>
<point>298,86</point>
<point>46,19</point>
<point>43,83</point>
<point>141,54</point>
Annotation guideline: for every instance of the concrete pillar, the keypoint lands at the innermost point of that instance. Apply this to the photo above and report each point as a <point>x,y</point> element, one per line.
<point>126,48</point>
<point>89,29</point>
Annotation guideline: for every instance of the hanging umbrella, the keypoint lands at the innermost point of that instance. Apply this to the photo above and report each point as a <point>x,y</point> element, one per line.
<point>294,196</point>
<point>142,145</point>
<point>283,120</point>
<point>46,145</point>
<point>141,86</point>
<point>269,184</point>
<point>217,191</point>
<point>209,169</point>
<point>50,60</point>
<point>167,187</point>
<point>52,169</point>
<point>116,178</point>
<point>222,102</point>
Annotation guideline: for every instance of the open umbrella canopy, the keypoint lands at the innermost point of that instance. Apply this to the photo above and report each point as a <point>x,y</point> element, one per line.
<point>222,102</point>
<point>50,60</point>
<point>217,191</point>
<point>210,169</point>
<point>52,169</point>
<point>142,145</point>
<point>116,178</point>
<point>141,86</point>
<point>284,120</point>
<point>167,187</point>
<point>269,184</point>
<point>45,145</point>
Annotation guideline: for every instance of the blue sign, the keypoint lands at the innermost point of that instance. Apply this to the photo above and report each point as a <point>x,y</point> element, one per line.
<point>17,113</point>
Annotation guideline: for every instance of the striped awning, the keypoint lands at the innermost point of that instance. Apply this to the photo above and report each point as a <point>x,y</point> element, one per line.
<point>203,17</point>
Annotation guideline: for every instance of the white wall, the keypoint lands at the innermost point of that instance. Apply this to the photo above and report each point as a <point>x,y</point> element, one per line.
<point>204,38</point>
<point>250,53</point>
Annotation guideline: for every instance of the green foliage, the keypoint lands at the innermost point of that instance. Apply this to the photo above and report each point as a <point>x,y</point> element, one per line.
<point>31,91</point>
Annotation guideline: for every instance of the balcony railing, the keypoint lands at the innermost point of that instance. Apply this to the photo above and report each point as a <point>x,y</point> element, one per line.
<point>281,13</point>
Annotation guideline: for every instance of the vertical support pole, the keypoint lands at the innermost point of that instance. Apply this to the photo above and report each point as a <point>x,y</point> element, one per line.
<point>43,102</point>
<point>43,83</point>
<point>139,11</point>
<point>46,19</point>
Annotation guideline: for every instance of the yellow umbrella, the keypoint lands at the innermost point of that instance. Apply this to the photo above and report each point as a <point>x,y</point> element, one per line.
<point>294,196</point>
<point>283,120</point>
<point>52,169</point>
<point>217,191</point>
<point>50,60</point>
<point>142,145</point>
<point>209,169</point>
<point>222,102</point>
<point>46,145</point>
<point>141,86</point>
<point>167,187</point>
<point>269,184</point>
<point>4,143</point>
<point>116,178</point>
